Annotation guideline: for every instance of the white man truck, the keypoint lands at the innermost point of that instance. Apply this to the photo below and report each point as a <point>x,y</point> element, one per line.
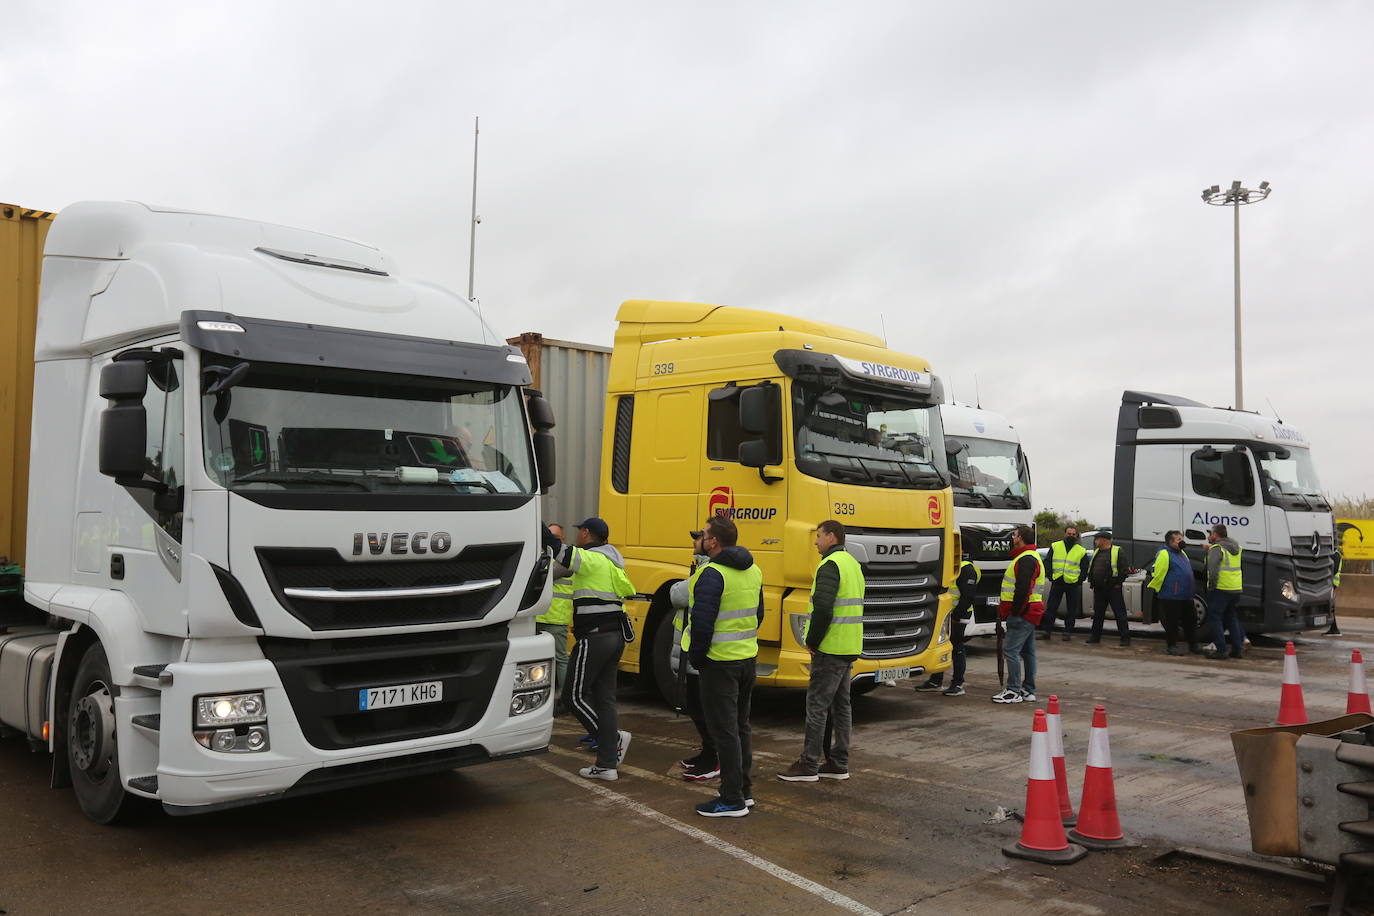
<point>1184,466</point>
<point>991,481</point>
<point>282,519</point>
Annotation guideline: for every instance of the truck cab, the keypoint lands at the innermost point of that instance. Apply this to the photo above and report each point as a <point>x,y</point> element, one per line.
<point>991,484</point>
<point>779,423</point>
<point>1183,465</point>
<point>283,506</point>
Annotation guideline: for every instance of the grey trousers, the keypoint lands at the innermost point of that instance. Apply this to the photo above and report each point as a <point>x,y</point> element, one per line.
<point>827,697</point>
<point>559,632</point>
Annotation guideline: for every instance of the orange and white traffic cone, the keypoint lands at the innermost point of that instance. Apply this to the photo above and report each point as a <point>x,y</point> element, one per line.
<point>1098,827</point>
<point>1042,833</point>
<point>1061,775</point>
<point>1292,710</point>
<point>1357,697</point>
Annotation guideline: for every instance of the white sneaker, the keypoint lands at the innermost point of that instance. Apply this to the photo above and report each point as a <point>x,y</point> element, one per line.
<point>621,748</point>
<point>1008,696</point>
<point>596,772</point>
<point>1027,697</point>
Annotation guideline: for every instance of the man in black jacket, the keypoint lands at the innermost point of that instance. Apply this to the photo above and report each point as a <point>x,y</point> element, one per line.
<point>1106,572</point>
<point>966,583</point>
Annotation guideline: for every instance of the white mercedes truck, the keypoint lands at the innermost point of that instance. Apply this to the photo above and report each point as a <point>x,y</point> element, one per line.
<point>283,526</point>
<point>1181,465</point>
<point>991,481</point>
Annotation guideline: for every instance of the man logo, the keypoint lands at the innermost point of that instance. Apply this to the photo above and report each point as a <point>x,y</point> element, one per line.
<point>720,502</point>
<point>933,507</point>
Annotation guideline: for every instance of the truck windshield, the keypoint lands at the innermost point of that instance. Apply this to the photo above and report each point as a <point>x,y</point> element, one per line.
<point>867,439</point>
<point>320,430</point>
<point>1291,482</point>
<point>990,473</point>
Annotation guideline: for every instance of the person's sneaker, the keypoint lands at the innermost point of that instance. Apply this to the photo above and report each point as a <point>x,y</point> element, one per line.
<point>691,763</point>
<point>1092,640</point>
<point>1008,696</point>
<point>928,685</point>
<point>622,747</point>
<point>1027,696</point>
<point>1197,650</point>
<point>1125,643</point>
<point>1068,637</point>
<point>954,690</point>
<point>798,772</point>
<point>701,773</point>
<point>596,772</point>
<point>748,801</point>
<point>831,770</point>
<point>1214,655</point>
<point>717,807</point>
<point>1234,655</point>
<point>1174,650</point>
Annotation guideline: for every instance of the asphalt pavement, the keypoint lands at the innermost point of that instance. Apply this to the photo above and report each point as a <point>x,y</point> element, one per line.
<point>937,784</point>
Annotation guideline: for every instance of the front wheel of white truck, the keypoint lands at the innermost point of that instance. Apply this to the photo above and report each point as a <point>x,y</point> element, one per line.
<point>92,751</point>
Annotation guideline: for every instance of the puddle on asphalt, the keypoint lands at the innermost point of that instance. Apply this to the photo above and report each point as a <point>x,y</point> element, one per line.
<point>1167,758</point>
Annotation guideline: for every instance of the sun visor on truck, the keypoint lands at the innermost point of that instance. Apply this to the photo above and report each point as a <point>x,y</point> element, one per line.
<point>860,375</point>
<point>265,340</point>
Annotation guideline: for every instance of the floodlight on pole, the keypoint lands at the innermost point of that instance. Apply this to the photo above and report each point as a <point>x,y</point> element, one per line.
<point>1236,197</point>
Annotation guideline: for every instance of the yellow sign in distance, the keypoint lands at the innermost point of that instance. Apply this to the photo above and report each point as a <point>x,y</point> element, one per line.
<point>1357,538</point>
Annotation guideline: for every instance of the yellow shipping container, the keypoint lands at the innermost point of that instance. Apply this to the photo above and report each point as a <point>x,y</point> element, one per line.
<point>22,232</point>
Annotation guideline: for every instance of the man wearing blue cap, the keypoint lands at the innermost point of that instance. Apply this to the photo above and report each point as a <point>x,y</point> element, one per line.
<point>601,629</point>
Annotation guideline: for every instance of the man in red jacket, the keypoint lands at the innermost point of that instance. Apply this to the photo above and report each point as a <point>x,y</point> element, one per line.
<point>1022,606</point>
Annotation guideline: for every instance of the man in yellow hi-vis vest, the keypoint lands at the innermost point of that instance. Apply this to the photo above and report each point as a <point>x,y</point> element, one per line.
<point>835,639</point>
<point>726,610</point>
<point>1224,581</point>
<point>600,626</point>
<point>555,622</point>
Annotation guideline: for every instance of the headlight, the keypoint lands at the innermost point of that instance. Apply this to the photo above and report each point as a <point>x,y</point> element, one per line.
<point>532,675</point>
<point>944,627</point>
<point>230,709</point>
<point>1287,590</point>
<point>798,622</point>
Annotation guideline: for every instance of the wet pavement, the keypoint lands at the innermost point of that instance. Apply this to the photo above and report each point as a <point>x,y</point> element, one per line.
<point>909,833</point>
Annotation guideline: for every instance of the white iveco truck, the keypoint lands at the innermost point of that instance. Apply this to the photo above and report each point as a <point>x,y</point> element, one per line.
<point>283,525</point>
<point>1181,465</point>
<point>991,480</point>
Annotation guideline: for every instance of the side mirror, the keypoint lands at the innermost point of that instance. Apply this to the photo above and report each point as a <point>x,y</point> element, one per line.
<point>1235,473</point>
<point>541,412</point>
<point>753,453</point>
<point>124,424</point>
<point>1193,534</point>
<point>954,447</point>
<point>544,459</point>
<point>758,409</point>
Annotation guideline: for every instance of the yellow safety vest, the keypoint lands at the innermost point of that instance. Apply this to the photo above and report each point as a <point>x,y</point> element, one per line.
<point>845,635</point>
<point>560,605</point>
<point>736,635</point>
<point>1066,563</point>
<point>595,576</point>
<point>1038,588</point>
<point>1228,575</point>
<point>1336,580</point>
<point>954,589</point>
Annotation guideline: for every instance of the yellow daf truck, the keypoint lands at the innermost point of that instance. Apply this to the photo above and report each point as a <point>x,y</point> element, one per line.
<point>778,423</point>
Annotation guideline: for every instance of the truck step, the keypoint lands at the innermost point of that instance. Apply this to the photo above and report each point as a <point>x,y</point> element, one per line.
<point>156,674</point>
<point>146,784</point>
<point>151,722</point>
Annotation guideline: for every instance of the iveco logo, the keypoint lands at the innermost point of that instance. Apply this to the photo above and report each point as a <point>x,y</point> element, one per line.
<point>402,542</point>
<point>892,550</point>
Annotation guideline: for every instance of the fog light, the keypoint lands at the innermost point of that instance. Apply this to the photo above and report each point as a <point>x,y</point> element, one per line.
<point>1287,590</point>
<point>529,701</point>
<point>223,740</point>
<point>257,739</point>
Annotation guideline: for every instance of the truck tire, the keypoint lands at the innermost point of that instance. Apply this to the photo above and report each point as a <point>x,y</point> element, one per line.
<point>662,660</point>
<point>1200,610</point>
<point>92,751</point>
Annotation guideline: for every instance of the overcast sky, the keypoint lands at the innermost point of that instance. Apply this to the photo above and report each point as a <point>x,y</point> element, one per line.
<point>1012,188</point>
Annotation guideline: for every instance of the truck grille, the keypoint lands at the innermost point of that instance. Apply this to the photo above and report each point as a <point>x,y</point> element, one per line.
<point>323,676</point>
<point>983,543</point>
<point>1313,569</point>
<point>900,603</point>
<point>309,567</point>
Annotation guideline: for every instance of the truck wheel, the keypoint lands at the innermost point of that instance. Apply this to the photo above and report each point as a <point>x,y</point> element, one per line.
<point>663,659</point>
<point>92,752</point>
<point>1200,611</point>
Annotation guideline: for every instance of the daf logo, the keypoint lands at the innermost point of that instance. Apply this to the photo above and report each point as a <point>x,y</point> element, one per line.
<point>402,542</point>
<point>892,550</point>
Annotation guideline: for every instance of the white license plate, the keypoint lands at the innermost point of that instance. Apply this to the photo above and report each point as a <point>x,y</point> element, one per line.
<point>1319,621</point>
<point>400,695</point>
<point>890,675</point>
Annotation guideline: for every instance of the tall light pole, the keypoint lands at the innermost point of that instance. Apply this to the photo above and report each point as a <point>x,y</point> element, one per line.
<point>1236,197</point>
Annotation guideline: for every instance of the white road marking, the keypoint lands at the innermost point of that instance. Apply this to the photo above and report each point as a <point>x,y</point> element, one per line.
<point>832,897</point>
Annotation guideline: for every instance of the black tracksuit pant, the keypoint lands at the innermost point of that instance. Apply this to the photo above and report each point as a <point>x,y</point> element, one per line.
<point>1176,612</point>
<point>726,691</point>
<point>592,666</point>
<point>692,704</point>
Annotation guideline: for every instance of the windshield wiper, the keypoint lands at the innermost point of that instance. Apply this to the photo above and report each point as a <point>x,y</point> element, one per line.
<point>304,477</point>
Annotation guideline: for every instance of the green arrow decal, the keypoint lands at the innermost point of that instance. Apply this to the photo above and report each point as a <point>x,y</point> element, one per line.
<point>259,453</point>
<point>439,454</point>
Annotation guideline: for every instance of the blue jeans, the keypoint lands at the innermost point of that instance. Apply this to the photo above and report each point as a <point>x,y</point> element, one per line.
<point>1018,646</point>
<point>1221,616</point>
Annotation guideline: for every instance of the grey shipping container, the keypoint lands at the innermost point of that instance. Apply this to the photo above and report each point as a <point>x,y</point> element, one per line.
<point>573,378</point>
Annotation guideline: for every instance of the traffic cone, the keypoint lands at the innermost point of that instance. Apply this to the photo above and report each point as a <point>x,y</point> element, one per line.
<point>1357,697</point>
<point>1098,827</point>
<point>1292,710</point>
<point>1061,776</point>
<point>1042,833</point>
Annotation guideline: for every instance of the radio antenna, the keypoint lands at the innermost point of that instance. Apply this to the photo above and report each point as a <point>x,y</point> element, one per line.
<point>977,392</point>
<point>472,228</point>
<point>883,322</point>
<point>1271,408</point>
